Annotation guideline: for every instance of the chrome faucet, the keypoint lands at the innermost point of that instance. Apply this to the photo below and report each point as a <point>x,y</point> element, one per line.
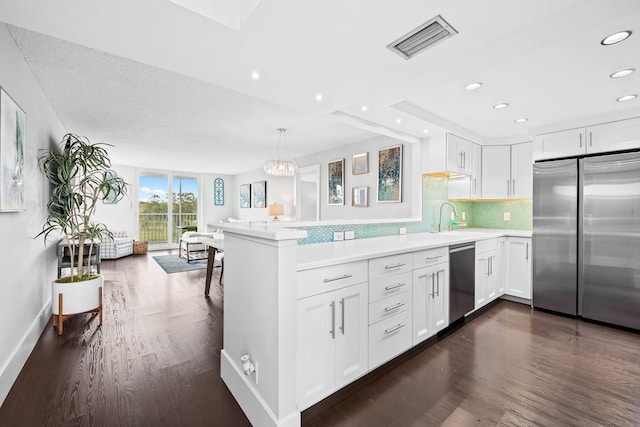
<point>455,212</point>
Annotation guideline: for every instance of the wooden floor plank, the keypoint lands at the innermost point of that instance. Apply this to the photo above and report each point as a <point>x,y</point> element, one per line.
<point>156,362</point>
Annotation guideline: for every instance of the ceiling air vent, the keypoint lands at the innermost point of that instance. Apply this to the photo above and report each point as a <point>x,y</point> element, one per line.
<point>425,36</point>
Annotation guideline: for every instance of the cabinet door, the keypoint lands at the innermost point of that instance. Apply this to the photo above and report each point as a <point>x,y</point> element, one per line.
<point>496,171</point>
<point>519,267</point>
<point>476,170</point>
<point>501,266</point>
<point>482,272</point>
<point>458,155</point>
<point>424,287</point>
<point>522,170</point>
<point>352,314</point>
<point>621,135</point>
<point>439,304</point>
<point>565,143</point>
<point>315,348</point>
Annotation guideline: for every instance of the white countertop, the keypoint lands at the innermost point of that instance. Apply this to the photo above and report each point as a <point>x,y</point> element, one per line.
<point>263,230</point>
<point>331,253</point>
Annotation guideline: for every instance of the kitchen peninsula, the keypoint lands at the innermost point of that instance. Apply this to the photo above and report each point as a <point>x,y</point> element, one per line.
<point>302,321</point>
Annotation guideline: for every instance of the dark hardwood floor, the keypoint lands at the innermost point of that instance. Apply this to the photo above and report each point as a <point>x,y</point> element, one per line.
<point>156,362</point>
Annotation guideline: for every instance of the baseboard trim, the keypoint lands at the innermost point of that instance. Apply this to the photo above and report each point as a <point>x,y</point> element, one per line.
<point>11,369</point>
<point>254,407</point>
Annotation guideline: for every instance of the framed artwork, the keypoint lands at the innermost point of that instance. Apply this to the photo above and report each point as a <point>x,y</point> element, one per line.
<point>245,195</point>
<point>110,199</point>
<point>335,180</point>
<point>360,197</point>
<point>218,192</point>
<point>360,164</point>
<point>13,127</point>
<point>390,174</point>
<point>259,194</point>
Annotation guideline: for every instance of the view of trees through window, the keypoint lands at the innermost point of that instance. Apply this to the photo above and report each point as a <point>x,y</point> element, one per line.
<point>161,221</point>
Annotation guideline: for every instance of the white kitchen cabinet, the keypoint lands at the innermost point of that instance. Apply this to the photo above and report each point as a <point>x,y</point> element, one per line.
<point>487,272</point>
<point>507,171</point>
<point>468,186</point>
<point>518,271</point>
<point>332,348</point>
<point>430,301</point>
<point>447,153</point>
<point>501,266</point>
<point>599,138</point>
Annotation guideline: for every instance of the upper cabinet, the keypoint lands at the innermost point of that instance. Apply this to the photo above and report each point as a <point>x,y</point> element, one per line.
<point>614,136</point>
<point>447,153</point>
<point>507,171</point>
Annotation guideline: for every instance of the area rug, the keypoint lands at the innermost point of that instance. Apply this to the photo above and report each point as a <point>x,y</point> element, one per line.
<point>176,264</point>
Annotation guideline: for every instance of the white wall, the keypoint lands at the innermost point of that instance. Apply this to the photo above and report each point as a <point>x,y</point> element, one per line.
<point>27,265</point>
<point>124,214</point>
<point>279,190</point>
<point>411,181</point>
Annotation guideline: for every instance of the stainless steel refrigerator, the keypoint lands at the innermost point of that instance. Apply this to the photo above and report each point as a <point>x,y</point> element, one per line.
<point>586,237</point>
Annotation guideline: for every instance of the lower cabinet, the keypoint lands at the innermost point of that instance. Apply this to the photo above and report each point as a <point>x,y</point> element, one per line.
<point>430,301</point>
<point>519,267</point>
<point>489,271</point>
<point>332,342</point>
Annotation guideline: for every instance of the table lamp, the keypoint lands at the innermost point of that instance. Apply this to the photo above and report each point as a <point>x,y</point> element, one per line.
<point>275,210</point>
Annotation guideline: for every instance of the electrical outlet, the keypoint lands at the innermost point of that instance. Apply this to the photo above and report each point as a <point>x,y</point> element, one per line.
<point>464,216</point>
<point>453,217</point>
<point>338,235</point>
<point>507,216</point>
<point>349,235</point>
<point>403,230</point>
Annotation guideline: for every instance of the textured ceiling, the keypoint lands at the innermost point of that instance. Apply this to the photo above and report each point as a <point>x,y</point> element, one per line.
<point>169,83</point>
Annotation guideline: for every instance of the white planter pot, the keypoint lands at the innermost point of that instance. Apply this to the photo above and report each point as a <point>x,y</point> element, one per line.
<point>77,297</point>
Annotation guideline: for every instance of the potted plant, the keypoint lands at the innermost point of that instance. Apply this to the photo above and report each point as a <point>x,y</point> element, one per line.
<point>80,175</point>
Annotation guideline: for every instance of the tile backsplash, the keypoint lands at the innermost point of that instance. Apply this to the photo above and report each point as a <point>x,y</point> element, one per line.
<point>479,214</point>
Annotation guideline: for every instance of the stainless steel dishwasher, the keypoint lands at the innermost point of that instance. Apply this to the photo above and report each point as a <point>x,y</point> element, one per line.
<point>462,276</point>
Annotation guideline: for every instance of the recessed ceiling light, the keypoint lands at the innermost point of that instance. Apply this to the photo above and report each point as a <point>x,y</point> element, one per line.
<point>622,73</point>
<point>319,97</point>
<point>500,106</point>
<point>627,98</point>
<point>255,75</point>
<point>426,131</point>
<point>521,120</point>
<point>615,38</point>
<point>473,86</point>
<point>398,121</point>
<point>364,108</point>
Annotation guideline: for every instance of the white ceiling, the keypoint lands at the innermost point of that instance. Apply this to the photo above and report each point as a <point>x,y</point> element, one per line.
<point>171,89</point>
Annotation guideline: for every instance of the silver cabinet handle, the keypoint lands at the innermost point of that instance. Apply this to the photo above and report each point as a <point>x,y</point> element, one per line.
<point>333,320</point>
<point>475,187</point>
<point>487,265</point>
<point>431,258</point>
<point>389,267</point>
<point>342,327</point>
<point>433,283</point>
<point>345,276</point>
<point>527,256</point>
<point>580,139</point>
<point>590,139</point>
<point>461,167</point>
<point>513,186</point>
<point>393,307</point>
<point>392,287</point>
<point>464,158</point>
<point>490,266</point>
<point>395,328</point>
<point>438,282</point>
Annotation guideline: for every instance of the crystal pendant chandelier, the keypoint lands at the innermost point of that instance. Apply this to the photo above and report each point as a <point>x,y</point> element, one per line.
<point>279,167</point>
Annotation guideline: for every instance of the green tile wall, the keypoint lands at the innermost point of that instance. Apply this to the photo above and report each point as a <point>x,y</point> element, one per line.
<point>479,214</point>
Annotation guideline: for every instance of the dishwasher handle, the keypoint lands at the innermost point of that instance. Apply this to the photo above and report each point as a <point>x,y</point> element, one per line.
<point>453,249</point>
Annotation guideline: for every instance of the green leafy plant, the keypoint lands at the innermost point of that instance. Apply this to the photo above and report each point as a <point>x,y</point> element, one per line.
<point>80,174</point>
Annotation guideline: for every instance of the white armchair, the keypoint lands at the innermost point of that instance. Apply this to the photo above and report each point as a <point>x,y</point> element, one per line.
<point>117,247</point>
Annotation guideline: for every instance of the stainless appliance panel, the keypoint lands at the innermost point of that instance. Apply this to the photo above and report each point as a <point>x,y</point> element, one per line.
<point>555,235</point>
<point>610,251</point>
<point>462,279</point>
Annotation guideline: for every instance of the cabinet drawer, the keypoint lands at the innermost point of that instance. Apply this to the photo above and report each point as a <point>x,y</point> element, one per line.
<point>388,338</point>
<point>486,245</point>
<point>389,265</point>
<point>430,257</point>
<point>325,279</point>
<point>388,286</point>
<point>388,307</point>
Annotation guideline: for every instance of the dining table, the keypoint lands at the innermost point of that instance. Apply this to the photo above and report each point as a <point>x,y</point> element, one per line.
<point>213,246</point>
